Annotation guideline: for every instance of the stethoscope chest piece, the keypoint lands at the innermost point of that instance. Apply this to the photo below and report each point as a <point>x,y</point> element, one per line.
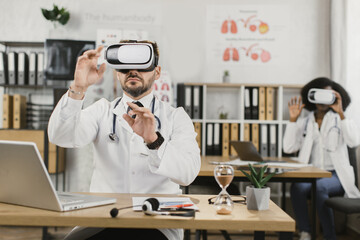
<point>113,137</point>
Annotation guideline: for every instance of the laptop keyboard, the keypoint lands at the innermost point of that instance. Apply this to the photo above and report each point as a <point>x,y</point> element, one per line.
<point>66,198</point>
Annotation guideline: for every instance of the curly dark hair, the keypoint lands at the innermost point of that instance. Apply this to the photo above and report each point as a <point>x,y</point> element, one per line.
<point>323,82</point>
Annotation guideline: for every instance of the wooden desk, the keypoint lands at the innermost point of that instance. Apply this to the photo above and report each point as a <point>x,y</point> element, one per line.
<point>305,174</point>
<point>274,219</point>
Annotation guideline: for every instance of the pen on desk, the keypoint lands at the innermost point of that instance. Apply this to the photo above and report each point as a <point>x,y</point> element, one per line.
<point>180,205</point>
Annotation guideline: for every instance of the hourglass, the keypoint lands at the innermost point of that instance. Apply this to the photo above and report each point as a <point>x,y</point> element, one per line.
<point>223,174</point>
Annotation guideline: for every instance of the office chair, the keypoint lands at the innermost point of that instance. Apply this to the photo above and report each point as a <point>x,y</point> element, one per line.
<point>342,204</point>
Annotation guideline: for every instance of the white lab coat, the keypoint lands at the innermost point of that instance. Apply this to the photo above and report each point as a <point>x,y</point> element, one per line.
<point>336,135</point>
<point>127,165</point>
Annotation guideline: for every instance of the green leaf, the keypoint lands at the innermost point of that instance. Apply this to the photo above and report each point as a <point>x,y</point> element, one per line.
<point>56,10</point>
<point>266,179</point>
<point>45,13</point>
<point>253,172</point>
<point>64,18</point>
<point>255,182</point>
<point>247,175</point>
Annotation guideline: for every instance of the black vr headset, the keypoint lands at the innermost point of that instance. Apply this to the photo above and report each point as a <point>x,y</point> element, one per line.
<point>131,56</point>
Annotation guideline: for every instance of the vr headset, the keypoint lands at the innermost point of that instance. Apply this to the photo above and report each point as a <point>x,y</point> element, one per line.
<point>321,96</point>
<point>131,56</point>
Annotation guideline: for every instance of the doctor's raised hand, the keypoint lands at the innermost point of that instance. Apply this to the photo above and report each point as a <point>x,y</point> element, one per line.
<point>337,106</point>
<point>295,108</point>
<point>144,123</point>
<point>86,73</point>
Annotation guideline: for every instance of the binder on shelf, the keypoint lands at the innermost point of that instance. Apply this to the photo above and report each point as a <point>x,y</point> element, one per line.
<point>40,69</point>
<point>7,118</point>
<point>217,139</point>
<point>3,68</point>
<point>247,104</point>
<point>234,136</point>
<point>262,115</point>
<point>269,103</point>
<point>264,140</point>
<point>184,98</point>
<point>33,68</point>
<point>255,103</point>
<point>247,132</point>
<point>197,127</point>
<point>272,140</point>
<point>13,67</point>
<point>197,102</point>
<point>225,139</point>
<point>19,118</point>
<point>209,139</point>
<point>255,135</point>
<point>23,68</point>
<point>188,95</point>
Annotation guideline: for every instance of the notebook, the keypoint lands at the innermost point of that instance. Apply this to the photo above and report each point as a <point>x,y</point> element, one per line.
<point>25,181</point>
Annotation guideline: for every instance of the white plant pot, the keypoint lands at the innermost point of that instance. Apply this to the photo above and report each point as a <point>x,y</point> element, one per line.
<point>257,198</point>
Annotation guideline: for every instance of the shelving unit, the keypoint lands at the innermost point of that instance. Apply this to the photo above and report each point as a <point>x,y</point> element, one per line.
<point>230,97</point>
<point>54,157</point>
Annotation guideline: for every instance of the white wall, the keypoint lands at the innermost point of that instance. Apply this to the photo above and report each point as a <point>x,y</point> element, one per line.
<point>179,26</point>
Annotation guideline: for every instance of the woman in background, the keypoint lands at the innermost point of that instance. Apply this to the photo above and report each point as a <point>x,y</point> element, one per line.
<point>321,139</point>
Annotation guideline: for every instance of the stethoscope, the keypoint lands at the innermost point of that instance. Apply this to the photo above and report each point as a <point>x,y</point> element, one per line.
<point>332,140</point>
<point>335,127</point>
<point>114,137</point>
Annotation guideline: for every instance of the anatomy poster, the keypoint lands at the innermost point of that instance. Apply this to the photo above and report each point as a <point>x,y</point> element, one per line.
<point>246,34</point>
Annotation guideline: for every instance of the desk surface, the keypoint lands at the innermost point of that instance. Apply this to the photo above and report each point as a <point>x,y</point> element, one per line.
<point>207,169</point>
<point>273,219</point>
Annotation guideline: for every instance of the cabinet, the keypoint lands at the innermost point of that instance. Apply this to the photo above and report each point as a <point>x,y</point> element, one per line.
<point>38,100</point>
<point>224,111</point>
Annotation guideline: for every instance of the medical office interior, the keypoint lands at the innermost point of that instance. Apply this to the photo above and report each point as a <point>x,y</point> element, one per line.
<point>212,53</point>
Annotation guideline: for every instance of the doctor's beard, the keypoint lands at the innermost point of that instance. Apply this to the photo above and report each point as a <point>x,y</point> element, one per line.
<point>137,91</point>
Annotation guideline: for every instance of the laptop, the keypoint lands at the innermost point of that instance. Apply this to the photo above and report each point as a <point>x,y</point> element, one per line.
<point>246,151</point>
<point>25,181</point>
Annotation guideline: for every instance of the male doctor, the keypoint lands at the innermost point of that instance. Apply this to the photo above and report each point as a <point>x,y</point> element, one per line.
<point>147,147</point>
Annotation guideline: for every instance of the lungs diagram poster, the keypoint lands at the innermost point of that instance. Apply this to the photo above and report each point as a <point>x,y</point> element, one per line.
<point>247,34</point>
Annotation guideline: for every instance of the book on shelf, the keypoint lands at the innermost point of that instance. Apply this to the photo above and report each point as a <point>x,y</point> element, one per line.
<point>184,98</point>
<point>269,103</point>
<point>255,135</point>
<point>225,139</point>
<point>3,68</point>
<point>262,101</point>
<point>255,103</point>
<point>247,132</point>
<point>13,67</point>
<point>234,136</point>
<point>264,140</point>
<point>209,139</point>
<point>19,111</point>
<point>33,69</point>
<point>40,79</point>
<point>7,114</point>
<point>23,68</point>
<point>272,140</point>
<point>197,102</point>
<point>247,103</point>
<point>217,139</point>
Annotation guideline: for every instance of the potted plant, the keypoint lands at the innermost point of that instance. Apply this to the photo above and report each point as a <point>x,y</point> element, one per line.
<point>226,77</point>
<point>257,195</point>
<point>55,15</point>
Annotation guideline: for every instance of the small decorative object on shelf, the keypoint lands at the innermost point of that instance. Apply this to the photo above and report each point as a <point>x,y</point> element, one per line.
<point>222,113</point>
<point>257,196</point>
<point>56,15</point>
<point>226,77</point>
